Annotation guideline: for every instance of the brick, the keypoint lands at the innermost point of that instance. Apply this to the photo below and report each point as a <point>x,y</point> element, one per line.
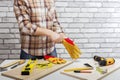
<point>110,25</point>
<point>115,55</point>
<point>4,31</point>
<point>14,30</point>
<point>3,9</point>
<point>92,35</point>
<point>61,4</point>
<point>10,45</point>
<point>88,30</point>
<point>75,35</point>
<point>3,14</point>
<point>86,15</point>
<point>102,15</point>
<point>101,54</point>
<point>76,25</point>
<point>113,20</point>
<point>1,40</point>
<point>93,25</point>
<point>9,20</point>
<point>16,56</point>
<point>96,40</point>
<point>116,50</point>
<point>86,55</point>
<point>92,45</point>
<point>3,56</point>
<point>106,10</point>
<point>4,52</point>
<point>69,15</point>
<point>60,51</point>
<point>113,40</point>
<point>117,30</point>
<point>66,19</point>
<point>105,30</point>
<point>109,35</point>
<point>11,9</point>
<point>17,46</point>
<point>5,3</point>
<point>0,19</point>
<point>75,4</point>
<point>98,20</point>
<point>15,51</point>
<point>81,20</point>
<point>16,25</point>
<point>64,25</point>
<point>10,14</point>
<point>66,56</point>
<point>6,25</point>
<point>59,46</point>
<point>88,50</point>
<point>72,30</point>
<point>115,15</point>
<point>65,0</point>
<point>6,36</point>
<point>81,41</point>
<point>11,41</point>
<point>72,10</point>
<point>117,9</point>
<point>89,10</point>
<point>104,50</point>
<point>3,46</point>
<point>17,35</point>
<point>82,0</point>
<point>108,45</point>
<point>60,10</point>
<point>111,5</point>
<point>93,4</point>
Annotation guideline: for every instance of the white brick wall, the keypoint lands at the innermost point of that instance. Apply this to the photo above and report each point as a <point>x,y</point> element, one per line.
<point>94,25</point>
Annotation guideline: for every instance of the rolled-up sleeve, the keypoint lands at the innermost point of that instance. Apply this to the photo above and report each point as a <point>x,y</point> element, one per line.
<point>57,24</point>
<point>23,18</point>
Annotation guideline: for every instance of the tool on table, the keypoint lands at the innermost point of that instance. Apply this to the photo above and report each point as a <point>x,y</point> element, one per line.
<point>72,48</point>
<point>29,67</point>
<point>88,65</point>
<point>19,63</point>
<point>82,71</point>
<point>104,61</point>
<point>100,70</point>
<point>4,67</point>
<point>44,65</point>
<point>81,68</point>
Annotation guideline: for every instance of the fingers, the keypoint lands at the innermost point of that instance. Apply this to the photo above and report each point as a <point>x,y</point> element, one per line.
<point>57,38</point>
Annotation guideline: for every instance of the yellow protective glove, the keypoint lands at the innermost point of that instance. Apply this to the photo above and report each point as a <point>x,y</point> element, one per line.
<point>72,48</point>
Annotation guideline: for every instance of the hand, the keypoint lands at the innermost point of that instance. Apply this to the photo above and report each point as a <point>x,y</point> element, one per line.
<point>55,37</point>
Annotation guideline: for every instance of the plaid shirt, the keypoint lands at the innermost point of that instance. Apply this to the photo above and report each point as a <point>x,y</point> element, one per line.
<point>31,14</point>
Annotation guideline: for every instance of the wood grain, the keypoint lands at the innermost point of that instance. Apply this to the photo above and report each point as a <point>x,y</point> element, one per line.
<point>36,74</point>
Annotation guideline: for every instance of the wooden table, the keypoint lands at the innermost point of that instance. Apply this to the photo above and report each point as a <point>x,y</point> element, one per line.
<point>57,74</point>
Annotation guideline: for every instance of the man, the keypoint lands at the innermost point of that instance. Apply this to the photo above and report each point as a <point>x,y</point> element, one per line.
<point>39,28</point>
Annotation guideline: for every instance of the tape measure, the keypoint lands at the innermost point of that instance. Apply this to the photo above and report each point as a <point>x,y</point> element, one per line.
<point>29,67</point>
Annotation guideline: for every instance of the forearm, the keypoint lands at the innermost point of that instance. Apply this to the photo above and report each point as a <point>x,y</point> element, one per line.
<point>43,32</point>
<point>55,37</point>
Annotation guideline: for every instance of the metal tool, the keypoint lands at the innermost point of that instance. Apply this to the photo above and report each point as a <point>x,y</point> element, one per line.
<point>4,67</point>
<point>100,70</point>
<point>88,65</point>
<point>104,61</point>
<point>19,63</point>
<point>81,68</point>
